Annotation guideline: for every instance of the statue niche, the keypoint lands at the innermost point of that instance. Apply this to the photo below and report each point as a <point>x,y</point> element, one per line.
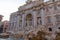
<point>29,20</point>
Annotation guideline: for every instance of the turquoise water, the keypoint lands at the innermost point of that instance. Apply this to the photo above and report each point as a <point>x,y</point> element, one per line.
<point>6,39</point>
<point>11,39</point>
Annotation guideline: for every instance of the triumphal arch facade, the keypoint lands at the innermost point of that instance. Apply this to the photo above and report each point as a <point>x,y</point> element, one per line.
<point>36,16</point>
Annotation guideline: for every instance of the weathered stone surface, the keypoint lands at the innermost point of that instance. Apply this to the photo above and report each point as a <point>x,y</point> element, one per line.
<point>37,16</point>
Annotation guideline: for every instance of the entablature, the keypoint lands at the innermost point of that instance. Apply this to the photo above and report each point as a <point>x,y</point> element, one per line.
<point>31,5</point>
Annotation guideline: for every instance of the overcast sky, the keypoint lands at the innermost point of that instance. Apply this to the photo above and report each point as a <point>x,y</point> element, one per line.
<point>9,6</point>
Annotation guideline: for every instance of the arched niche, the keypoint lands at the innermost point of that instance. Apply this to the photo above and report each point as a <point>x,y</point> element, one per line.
<point>29,20</point>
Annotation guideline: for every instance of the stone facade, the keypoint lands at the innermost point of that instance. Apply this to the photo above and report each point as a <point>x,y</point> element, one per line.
<point>35,16</point>
<point>5,25</point>
<point>1,26</point>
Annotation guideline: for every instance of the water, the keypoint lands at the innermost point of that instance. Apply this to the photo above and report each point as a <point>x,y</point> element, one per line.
<point>6,39</point>
<point>11,39</point>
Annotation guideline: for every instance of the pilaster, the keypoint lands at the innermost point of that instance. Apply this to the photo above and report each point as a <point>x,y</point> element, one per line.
<point>23,21</point>
<point>43,16</point>
<point>18,18</point>
<point>35,17</point>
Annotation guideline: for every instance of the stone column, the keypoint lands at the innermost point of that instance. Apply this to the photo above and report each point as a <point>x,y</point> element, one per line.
<point>53,19</point>
<point>43,16</point>
<point>23,21</point>
<point>17,25</point>
<point>35,18</point>
<point>53,12</point>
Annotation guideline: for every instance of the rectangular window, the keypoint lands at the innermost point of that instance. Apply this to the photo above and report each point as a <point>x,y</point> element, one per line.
<point>20,23</point>
<point>13,24</point>
<point>58,8</point>
<point>9,28</point>
<point>39,12</point>
<point>58,18</point>
<point>49,19</point>
<point>55,7</point>
<point>40,22</point>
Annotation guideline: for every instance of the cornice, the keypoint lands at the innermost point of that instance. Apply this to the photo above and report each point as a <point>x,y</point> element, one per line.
<point>35,6</point>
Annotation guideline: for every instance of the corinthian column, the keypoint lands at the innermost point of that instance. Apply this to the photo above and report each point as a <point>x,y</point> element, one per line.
<point>35,18</point>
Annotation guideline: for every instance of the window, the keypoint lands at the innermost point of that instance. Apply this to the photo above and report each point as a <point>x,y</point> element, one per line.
<point>50,29</point>
<point>47,9</point>
<point>49,19</point>
<point>13,24</point>
<point>55,7</point>
<point>15,17</point>
<point>39,12</point>
<point>58,8</point>
<point>9,25</point>
<point>20,23</point>
<point>58,18</point>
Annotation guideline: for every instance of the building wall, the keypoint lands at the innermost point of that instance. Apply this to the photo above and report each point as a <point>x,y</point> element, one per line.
<point>1,26</point>
<point>29,17</point>
<point>5,25</point>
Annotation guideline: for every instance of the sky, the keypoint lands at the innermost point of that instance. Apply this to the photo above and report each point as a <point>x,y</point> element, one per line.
<point>9,6</point>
